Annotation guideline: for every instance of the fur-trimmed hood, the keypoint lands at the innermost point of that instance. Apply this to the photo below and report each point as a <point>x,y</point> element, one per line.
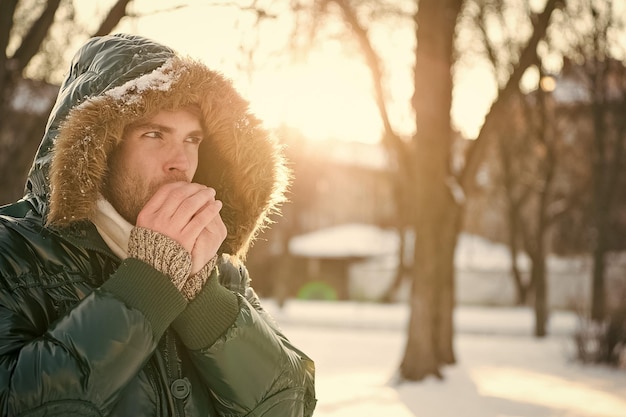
<point>117,79</point>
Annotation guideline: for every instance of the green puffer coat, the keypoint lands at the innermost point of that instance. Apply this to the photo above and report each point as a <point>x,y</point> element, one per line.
<point>85,333</point>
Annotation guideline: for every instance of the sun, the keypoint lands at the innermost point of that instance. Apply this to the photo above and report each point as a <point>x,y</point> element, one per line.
<point>322,99</point>
<point>327,96</point>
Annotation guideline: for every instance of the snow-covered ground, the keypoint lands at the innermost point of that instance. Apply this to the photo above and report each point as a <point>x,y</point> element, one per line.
<point>502,371</point>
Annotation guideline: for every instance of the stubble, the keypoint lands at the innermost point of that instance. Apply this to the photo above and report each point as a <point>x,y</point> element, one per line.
<point>127,191</point>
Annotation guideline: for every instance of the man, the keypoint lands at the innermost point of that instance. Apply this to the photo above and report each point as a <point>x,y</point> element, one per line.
<point>122,291</point>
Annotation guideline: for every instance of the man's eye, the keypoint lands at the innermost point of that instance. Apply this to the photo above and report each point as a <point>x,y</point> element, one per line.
<point>155,134</point>
<point>196,140</point>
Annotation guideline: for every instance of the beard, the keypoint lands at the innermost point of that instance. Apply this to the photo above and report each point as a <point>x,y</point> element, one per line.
<point>128,191</point>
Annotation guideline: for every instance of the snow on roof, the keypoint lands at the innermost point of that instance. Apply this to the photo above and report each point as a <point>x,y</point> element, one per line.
<point>472,252</point>
<point>347,240</point>
<point>366,241</point>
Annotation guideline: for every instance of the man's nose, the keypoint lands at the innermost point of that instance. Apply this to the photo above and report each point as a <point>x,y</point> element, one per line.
<point>177,159</point>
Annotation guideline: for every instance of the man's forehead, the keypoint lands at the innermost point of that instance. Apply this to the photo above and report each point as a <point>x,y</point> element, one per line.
<point>160,118</point>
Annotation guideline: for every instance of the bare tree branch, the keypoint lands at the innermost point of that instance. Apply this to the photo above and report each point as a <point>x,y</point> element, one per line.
<point>374,65</point>
<point>261,12</point>
<point>32,41</point>
<point>481,23</point>
<point>467,178</point>
<point>7,9</point>
<point>117,11</point>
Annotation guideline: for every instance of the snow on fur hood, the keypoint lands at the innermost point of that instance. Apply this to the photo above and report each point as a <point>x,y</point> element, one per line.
<point>117,79</point>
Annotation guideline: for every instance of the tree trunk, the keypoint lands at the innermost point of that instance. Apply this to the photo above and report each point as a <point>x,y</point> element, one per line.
<point>547,139</point>
<point>601,214</point>
<point>437,214</point>
<point>429,344</point>
<point>598,309</point>
<point>7,9</point>
<point>401,271</point>
<point>600,192</point>
<point>521,289</point>
<point>420,357</point>
<point>403,189</point>
<point>541,293</point>
<point>513,219</point>
<point>508,152</point>
<point>445,300</point>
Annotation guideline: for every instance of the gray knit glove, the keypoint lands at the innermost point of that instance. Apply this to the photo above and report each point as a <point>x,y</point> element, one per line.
<point>194,284</point>
<point>161,252</point>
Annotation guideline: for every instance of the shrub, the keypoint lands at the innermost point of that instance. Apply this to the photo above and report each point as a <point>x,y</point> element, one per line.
<point>602,342</point>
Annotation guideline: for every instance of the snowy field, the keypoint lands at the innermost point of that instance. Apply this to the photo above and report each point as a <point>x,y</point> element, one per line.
<point>502,371</point>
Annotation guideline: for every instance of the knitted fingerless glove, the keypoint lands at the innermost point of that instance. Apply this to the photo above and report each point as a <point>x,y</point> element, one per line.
<point>194,284</point>
<point>162,253</point>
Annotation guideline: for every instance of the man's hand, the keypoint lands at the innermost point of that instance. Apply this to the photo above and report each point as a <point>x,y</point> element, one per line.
<point>189,214</point>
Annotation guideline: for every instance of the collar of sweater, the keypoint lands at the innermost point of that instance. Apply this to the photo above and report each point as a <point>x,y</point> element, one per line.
<point>113,228</point>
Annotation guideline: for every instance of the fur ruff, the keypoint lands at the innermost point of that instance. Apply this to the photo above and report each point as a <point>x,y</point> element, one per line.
<point>239,158</point>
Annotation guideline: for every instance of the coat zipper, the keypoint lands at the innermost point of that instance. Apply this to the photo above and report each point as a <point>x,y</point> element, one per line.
<point>152,371</point>
<point>174,371</point>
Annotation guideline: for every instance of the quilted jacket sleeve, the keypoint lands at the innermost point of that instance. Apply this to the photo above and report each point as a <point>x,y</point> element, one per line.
<point>251,368</point>
<point>77,365</point>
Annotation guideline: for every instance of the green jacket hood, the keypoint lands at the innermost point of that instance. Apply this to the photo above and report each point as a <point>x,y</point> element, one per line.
<point>117,79</point>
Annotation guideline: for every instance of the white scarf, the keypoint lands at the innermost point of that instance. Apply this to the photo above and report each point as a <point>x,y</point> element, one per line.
<point>113,228</point>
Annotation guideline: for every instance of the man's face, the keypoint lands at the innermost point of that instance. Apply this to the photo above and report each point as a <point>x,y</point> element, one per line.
<point>153,152</point>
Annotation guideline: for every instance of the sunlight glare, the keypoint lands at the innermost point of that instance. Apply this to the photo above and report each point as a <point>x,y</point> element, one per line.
<point>322,99</point>
<point>527,386</point>
<point>473,93</point>
<point>328,97</point>
<point>357,395</point>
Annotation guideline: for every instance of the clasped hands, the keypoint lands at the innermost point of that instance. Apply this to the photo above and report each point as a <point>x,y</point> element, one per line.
<point>189,214</point>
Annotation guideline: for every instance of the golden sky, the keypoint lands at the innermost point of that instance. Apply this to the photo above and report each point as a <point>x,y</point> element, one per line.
<point>328,96</point>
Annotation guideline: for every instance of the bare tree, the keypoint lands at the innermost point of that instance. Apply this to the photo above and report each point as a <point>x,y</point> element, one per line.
<point>514,158</point>
<point>500,51</point>
<point>528,160</point>
<point>607,154</point>
<point>534,232</point>
<point>536,177</point>
<point>604,77</point>
<point>434,192</point>
<point>21,125</point>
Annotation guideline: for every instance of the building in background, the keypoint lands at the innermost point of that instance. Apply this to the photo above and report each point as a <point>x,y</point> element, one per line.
<point>341,186</point>
<point>334,183</point>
